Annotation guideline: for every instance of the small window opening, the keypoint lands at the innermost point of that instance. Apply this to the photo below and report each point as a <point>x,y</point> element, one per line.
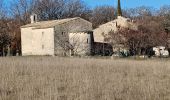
<point>42,33</point>
<point>63,33</point>
<point>87,40</point>
<point>42,46</point>
<point>128,20</point>
<point>34,18</point>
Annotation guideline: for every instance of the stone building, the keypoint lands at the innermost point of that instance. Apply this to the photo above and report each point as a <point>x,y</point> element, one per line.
<point>82,43</point>
<point>102,32</point>
<point>71,36</point>
<point>53,37</point>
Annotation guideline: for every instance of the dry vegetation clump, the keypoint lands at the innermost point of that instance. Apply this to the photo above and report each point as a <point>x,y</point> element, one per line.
<point>53,78</point>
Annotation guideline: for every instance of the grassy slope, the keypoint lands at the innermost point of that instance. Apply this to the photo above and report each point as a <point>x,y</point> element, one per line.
<point>52,78</point>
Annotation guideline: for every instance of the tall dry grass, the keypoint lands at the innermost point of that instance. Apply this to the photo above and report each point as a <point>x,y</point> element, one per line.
<point>53,78</point>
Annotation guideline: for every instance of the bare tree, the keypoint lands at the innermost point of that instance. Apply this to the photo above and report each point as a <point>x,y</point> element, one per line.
<point>49,9</point>
<point>127,38</point>
<point>137,40</point>
<point>58,9</point>
<point>76,8</point>
<point>5,37</point>
<point>3,11</point>
<point>103,14</point>
<point>164,10</point>
<point>4,29</point>
<point>21,10</point>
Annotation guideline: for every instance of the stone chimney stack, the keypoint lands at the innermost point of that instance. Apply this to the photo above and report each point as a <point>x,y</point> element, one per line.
<point>33,18</point>
<point>119,10</point>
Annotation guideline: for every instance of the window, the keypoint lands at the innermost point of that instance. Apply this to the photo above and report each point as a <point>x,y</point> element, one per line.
<point>42,46</point>
<point>128,20</point>
<point>63,33</point>
<point>34,18</point>
<point>42,33</point>
<point>87,40</point>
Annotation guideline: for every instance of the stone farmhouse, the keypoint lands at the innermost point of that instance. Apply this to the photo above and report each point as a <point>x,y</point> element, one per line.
<point>56,37</point>
<point>71,36</point>
<point>102,32</point>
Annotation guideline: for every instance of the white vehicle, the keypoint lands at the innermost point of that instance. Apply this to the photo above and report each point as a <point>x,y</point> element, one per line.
<point>161,51</point>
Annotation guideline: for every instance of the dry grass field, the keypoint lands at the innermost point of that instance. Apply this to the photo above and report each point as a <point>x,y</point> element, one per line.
<point>53,78</point>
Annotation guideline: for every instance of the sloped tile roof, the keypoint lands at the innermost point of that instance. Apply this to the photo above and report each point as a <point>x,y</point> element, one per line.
<point>48,24</point>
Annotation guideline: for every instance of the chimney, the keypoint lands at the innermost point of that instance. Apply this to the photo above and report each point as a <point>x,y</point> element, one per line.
<point>33,18</point>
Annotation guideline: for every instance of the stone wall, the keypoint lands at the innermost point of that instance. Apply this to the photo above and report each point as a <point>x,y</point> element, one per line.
<point>81,42</point>
<point>102,33</point>
<point>103,30</point>
<point>61,36</point>
<point>37,41</point>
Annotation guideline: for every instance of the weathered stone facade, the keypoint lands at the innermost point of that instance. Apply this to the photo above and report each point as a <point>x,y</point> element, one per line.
<point>51,37</point>
<point>37,41</point>
<point>82,43</point>
<point>62,31</point>
<point>102,31</point>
